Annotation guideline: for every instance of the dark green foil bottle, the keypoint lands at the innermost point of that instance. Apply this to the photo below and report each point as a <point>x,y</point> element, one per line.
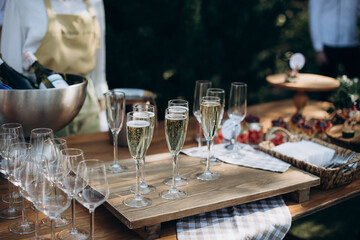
<point>13,78</point>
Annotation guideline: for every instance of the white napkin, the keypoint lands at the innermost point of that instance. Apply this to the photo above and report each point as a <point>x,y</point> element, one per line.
<point>307,151</point>
<point>247,157</point>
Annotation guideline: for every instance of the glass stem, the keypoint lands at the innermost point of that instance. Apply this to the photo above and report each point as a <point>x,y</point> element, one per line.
<point>235,147</point>
<point>142,171</point>
<point>23,209</point>
<point>52,222</point>
<point>173,185</point>
<point>11,197</point>
<point>137,187</point>
<point>209,156</point>
<point>36,215</point>
<point>73,215</point>
<point>92,222</point>
<point>200,137</point>
<point>115,141</point>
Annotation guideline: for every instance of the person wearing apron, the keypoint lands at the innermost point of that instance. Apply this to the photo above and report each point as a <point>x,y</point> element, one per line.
<point>69,45</point>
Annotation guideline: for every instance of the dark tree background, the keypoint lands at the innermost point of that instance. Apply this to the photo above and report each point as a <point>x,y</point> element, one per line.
<point>166,45</point>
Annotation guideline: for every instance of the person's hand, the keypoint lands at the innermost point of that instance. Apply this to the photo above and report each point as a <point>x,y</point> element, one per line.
<point>321,58</point>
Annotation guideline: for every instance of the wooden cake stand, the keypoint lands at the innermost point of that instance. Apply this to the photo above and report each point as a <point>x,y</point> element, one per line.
<point>304,83</point>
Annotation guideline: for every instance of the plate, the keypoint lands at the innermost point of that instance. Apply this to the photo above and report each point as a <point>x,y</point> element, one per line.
<point>335,133</point>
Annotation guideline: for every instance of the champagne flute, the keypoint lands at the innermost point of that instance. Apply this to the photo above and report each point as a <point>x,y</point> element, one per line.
<point>150,109</point>
<point>175,133</point>
<point>237,110</point>
<point>137,134</point>
<point>216,92</point>
<point>91,187</point>
<point>201,86</point>
<point>71,157</point>
<point>183,104</point>
<point>210,111</point>
<point>20,152</point>
<point>115,111</point>
<point>6,139</point>
<point>17,129</point>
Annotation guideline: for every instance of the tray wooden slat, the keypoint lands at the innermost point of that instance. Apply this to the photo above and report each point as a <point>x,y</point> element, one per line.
<point>236,185</point>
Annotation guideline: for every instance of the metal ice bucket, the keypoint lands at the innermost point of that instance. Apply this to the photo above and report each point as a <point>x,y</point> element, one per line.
<point>52,108</point>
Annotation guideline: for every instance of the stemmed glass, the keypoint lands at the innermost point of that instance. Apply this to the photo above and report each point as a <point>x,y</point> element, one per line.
<point>237,109</point>
<point>201,86</point>
<point>175,133</point>
<point>17,129</point>
<point>6,139</point>
<point>180,104</point>
<point>91,187</point>
<point>19,153</point>
<point>71,157</point>
<point>210,111</point>
<point>150,109</point>
<point>220,93</point>
<point>115,112</point>
<point>137,133</point>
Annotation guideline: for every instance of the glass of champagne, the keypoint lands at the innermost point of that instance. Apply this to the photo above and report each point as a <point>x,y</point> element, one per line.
<point>17,129</point>
<point>137,135</point>
<point>181,105</point>
<point>91,187</point>
<point>115,112</point>
<point>175,133</point>
<point>201,86</point>
<point>210,111</point>
<point>150,109</point>
<point>237,110</point>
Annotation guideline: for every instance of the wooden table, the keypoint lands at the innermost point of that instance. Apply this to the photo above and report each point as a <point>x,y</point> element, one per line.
<point>107,226</point>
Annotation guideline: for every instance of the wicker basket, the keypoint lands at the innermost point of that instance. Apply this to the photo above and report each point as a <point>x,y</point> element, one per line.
<point>329,177</point>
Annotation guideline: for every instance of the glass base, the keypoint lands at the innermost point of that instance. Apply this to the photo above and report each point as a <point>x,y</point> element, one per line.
<point>73,234</point>
<point>207,176</point>
<point>213,162</point>
<point>137,201</point>
<point>22,227</point>
<point>116,168</point>
<point>173,194</point>
<point>60,221</point>
<point>39,238</point>
<point>144,188</point>
<point>10,213</point>
<point>179,181</point>
<point>16,198</point>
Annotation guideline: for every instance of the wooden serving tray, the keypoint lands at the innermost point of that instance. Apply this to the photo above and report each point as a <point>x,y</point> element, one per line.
<point>236,185</point>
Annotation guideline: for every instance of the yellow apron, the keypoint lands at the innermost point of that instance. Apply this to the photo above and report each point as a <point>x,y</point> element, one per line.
<point>70,45</point>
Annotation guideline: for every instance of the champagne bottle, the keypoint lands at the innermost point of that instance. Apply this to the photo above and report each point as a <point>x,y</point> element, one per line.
<point>14,79</point>
<point>4,86</point>
<point>45,78</point>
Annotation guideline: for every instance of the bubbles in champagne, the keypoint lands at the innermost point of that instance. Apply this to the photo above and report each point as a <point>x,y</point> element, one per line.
<point>209,114</point>
<point>175,131</point>
<point>137,137</point>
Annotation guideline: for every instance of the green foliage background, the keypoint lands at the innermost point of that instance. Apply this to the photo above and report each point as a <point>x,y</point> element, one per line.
<point>166,45</point>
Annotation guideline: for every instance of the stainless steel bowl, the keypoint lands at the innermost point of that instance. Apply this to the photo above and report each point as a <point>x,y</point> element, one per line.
<point>51,108</point>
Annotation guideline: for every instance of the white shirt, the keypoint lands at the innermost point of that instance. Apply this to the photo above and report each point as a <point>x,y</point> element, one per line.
<point>334,23</point>
<point>24,29</point>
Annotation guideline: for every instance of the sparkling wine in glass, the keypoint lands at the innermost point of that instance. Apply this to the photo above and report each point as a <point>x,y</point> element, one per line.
<point>137,135</point>
<point>201,86</point>
<point>179,105</point>
<point>149,109</point>
<point>115,112</point>
<point>91,187</point>
<point>237,110</point>
<point>175,133</point>
<point>210,111</point>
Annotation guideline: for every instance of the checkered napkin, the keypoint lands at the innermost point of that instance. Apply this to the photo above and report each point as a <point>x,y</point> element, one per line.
<point>247,157</point>
<point>264,219</point>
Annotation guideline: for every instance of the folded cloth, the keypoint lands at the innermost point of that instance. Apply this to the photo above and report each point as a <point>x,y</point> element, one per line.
<point>264,219</point>
<point>247,157</point>
<point>307,151</point>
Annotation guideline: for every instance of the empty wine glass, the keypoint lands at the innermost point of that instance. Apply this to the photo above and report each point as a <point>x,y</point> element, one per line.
<point>91,187</point>
<point>175,133</point>
<point>115,112</point>
<point>137,135</point>
<point>72,157</point>
<point>210,111</point>
<point>19,153</point>
<point>237,110</point>
<point>6,139</point>
<point>181,105</point>
<point>17,129</point>
<point>201,86</point>
<point>150,109</point>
